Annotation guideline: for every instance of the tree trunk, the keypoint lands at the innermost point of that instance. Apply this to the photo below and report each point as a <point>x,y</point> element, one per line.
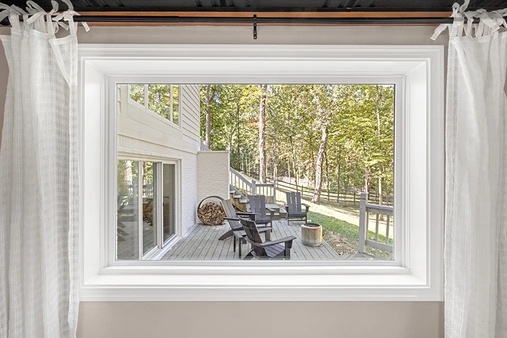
<point>328,183</point>
<point>338,173</point>
<point>295,168</point>
<point>288,171</point>
<point>262,134</point>
<point>366,179</point>
<point>318,167</point>
<point>238,133</point>
<point>209,95</point>
<point>379,98</point>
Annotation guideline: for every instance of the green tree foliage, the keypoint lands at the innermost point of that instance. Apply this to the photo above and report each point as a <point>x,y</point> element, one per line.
<point>356,121</point>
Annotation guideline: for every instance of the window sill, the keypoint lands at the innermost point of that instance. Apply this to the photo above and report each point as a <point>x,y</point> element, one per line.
<point>257,284</point>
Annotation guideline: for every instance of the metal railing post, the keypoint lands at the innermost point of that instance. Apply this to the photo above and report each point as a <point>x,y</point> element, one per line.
<point>362,222</point>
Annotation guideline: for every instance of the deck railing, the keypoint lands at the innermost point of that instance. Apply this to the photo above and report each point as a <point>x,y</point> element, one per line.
<point>365,209</point>
<point>252,187</point>
<point>266,189</point>
<point>240,182</point>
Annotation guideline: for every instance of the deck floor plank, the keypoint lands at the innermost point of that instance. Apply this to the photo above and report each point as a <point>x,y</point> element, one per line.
<point>202,244</point>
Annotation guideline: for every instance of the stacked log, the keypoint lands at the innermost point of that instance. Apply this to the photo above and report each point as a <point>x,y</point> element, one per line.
<point>148,211</point>
<point>211,213</point>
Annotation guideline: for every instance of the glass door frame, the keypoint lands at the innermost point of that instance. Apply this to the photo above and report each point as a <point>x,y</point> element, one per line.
<point>156,251</point>
<point>177,205</point>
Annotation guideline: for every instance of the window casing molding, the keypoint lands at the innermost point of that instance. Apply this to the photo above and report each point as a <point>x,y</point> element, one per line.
<point>417,272</point>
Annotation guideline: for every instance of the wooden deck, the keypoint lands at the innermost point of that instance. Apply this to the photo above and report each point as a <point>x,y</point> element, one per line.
<point>202,243</point>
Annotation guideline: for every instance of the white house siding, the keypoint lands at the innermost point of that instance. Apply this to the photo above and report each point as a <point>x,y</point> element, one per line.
<point>146,135</point>
<point>213,174</point>
<point>190,100</point>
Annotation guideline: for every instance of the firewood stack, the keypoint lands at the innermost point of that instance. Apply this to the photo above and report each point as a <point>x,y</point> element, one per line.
<point>148,211</point>
<point>210,213</point>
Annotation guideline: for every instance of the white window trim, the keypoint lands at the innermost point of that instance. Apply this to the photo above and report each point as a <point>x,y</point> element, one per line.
<point>417,273</point>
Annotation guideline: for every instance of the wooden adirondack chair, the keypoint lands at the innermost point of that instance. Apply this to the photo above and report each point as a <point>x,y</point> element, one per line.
<point>269,249</point>
<point>263,215</point>
<point>237,231</point>
<point>293,207</point>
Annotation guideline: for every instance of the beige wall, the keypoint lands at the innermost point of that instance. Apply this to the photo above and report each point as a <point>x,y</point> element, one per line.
<point>226,319</point>
<point>261,319</point>
<point>213,174</point>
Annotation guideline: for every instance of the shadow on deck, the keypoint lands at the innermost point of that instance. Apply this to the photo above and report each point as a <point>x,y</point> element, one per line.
<point>202,243</point>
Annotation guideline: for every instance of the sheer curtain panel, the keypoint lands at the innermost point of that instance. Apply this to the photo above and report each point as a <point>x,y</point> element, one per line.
<point>476,192</point>
<point>38,178</point>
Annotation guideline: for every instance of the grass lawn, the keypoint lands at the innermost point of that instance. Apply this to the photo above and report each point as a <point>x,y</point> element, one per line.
<point>343,236</point>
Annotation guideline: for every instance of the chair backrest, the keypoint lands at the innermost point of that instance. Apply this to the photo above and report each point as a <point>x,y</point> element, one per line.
<point>230,212</point>
<point>253,236</point>
<point>294,201</point>
<point>258,206</point>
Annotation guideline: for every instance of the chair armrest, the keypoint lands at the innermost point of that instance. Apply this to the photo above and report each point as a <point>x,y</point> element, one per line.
<point>277,241</point>
<point>231,219</point>
<point>306,206</point>
<point>271,212</point>
<point>250,215</point>
<point>264,228</point>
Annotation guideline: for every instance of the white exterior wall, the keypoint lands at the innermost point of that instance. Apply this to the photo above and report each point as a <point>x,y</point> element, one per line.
<point>146,135</point>
<point>213,174</point>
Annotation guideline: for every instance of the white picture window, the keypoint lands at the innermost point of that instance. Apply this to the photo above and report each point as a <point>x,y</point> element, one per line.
<point>416,271</point>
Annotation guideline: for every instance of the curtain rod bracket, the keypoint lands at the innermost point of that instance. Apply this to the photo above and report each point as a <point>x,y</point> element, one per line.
<point>255,27</point>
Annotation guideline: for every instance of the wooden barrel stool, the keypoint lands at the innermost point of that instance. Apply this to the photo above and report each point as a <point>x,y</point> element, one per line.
<point>311,234</point>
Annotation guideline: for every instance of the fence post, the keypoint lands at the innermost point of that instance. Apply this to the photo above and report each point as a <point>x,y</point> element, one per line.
<point>254,188</point>
<point>362,222</point>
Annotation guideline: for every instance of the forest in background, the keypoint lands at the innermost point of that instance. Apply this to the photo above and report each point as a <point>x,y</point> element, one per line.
<point>333,137</point>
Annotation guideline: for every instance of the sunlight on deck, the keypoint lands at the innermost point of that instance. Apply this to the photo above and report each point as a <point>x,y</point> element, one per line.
<point>202,243</point>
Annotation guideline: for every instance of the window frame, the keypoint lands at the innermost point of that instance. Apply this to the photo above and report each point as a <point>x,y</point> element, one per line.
<point>417,273</point>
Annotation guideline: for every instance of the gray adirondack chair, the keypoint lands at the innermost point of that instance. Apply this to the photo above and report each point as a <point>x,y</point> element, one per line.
<point>294,207</point>
<point>269,249</point>
<point>263,215</point>
<point>233,217</point>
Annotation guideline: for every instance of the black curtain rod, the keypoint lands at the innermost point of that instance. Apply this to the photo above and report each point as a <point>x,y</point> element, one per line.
<point>247,20</point>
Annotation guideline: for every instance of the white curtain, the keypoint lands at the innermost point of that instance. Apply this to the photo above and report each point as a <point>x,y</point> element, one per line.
<point>476,178</point>
<point>38,180</point>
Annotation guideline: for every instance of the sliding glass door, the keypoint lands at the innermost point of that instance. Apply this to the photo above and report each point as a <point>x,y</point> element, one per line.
<point>169,207</point>
<point>129,215</point>
<point>150,207</point>
<point>146,208</point>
